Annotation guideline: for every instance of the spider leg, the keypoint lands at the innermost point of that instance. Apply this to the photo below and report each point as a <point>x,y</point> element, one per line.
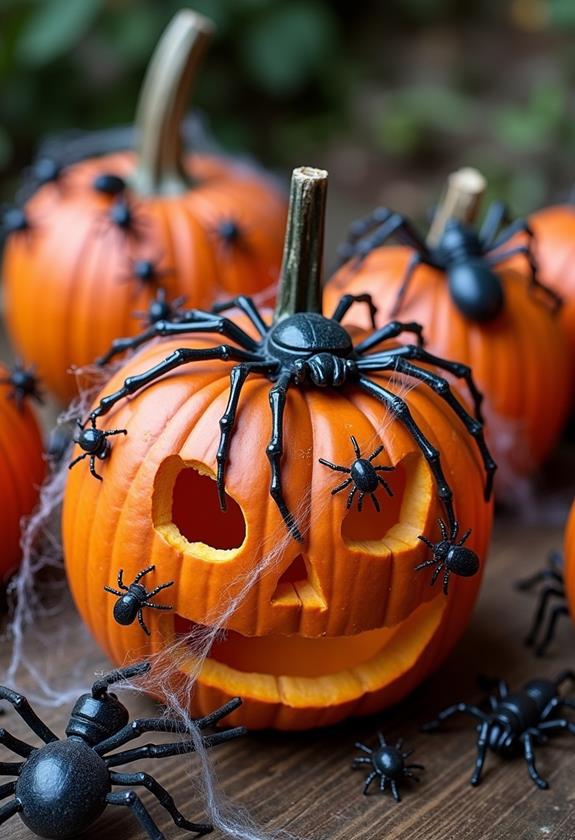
<point>427,542</point>
<point>159,589</point>
<point>360,502</point>
<point>139,576</point>
<point>341,486</point>
<point>368,781</point>
<point>347,301</point>
<point>497,214</point>
<point>188,323</point>
<point>93,468</point>
<point>9,788</point>
<point>15,745</point>
<point>360,760</point>
<point>248,307</point>
<point>163,797</point>
<point>425,564</point>
<point>158,607</point>
<point>8,810</point>
<point>529,756</point>
<point>556,703</point>
<point>356,448</point>
<point>385,485</point>
<point>382,781</point>
<point>465,537</point>
<point>450,711</point>
<point>437,572</point>
<point>336,467</point>
<point>110,432</point>
<point>415,260</point>
<point>374,455</point>
<point>544,596</point>
<point>560,723</point>
<point>351,497</point>
<point>544,574</point>
<point>238,375</point>
<point>76,460</point>
<point>443,529</point>
<point>277,399</point>
<point>556,613</point>
<point>534,283</point>
<point>357,230</point>
<point>415,767</point>
<point>482,744</point>
<point>121,584</point>
<point>23,708</point>
<point>392,329</point>
<point>359,746</point>
<point>441,387</point>
<point>375,503</point>
<point>142,623</point>
<point>11,768</point>
<point>512,229</point>
<point>178,748</point>
<point>401,412</point>
<point>182,356</point>
<point>114,591</point>
<point>383,742</point>
<point>446,582</point>
<point>131,800</point>
<point>394,790</point>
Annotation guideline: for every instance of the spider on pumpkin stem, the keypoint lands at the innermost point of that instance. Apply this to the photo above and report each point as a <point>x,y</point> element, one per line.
<point>450,555</point>
<point>467,256</point>
<point>24,383</point>
<point>363,474</point>
<point>134,598</point>
<point>95,444</point>
<point>309,349</point>
<point>388,763</point>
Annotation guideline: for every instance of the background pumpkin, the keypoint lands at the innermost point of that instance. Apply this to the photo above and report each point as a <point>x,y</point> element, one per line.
<point>520,359</point>
<point>21,471</point>
<point>202,227</point>
<point>338,624</point>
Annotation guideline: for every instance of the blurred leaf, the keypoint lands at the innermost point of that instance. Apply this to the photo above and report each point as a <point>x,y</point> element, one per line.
<point>282,48</point>
<point>561,12</point>
<point>53,27</point>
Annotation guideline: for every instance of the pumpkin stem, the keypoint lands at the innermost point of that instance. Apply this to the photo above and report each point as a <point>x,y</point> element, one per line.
<point>300,284</point>
<point>162,104</point>
<point>465,189</point>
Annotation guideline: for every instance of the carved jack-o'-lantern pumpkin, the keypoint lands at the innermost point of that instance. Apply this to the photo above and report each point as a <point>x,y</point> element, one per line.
<point>95,244</point>
<point>315,569</point>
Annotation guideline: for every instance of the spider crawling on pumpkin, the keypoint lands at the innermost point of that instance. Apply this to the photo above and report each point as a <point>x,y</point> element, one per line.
<point>363,475</point>
<point>79,768</point>
<point>449,555</point>
<point>134,598</point>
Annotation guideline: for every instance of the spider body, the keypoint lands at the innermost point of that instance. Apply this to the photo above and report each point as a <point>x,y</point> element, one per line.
<point>387,763</point>
<point>515,721</point>
<point>24,384</point>
<point>62,787</point>
<point>450,556</point>
<point>134,598</point>
<point>229,231</point>
<point>145,271</point>
<point>95,444</point>
<point>109,184</point>
<point>363,476</point>
<point>161,309</point>
<point>467,257</point>
<point>121,215</point>
<point>552,603</point>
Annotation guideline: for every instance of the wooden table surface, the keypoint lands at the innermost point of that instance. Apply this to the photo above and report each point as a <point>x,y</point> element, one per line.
<point>303,782</point>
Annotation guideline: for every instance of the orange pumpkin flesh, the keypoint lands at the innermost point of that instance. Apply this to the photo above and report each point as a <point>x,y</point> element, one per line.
<point>520,361</point>
<point>21,473</point>
<point>77,266</point>
<point>337,624</point>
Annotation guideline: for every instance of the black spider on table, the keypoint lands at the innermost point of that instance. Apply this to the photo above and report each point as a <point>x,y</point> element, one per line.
<point>134,598</point>
<point>554,589</point>
<point>363,475</point>
<point>467,256</point>
<point>62,787</point>
<point>515,722</point>
<point>449,555</point>
<point>312,350</point>
<point>23,384</point>
<point>388,763</point>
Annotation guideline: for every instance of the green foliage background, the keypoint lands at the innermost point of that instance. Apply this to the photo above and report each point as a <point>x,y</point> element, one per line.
<point>389,92</point>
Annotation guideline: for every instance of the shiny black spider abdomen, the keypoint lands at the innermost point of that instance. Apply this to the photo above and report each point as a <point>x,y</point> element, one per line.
<point>109,184</point>
<point>450,555</point>
<point>308,334</point>
<point>127,606</point>
<point>364,476</point>
<point>516,722</point>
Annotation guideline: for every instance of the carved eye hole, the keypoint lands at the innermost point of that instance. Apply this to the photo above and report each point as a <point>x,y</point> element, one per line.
<point>196,512</point>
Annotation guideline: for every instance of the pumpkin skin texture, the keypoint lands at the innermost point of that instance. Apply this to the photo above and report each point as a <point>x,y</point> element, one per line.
<point>337,625</point>
<point>520,360</point>
<point>22,470</point>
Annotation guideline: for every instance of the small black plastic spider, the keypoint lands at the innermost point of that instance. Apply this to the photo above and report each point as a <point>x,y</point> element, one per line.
<point>159,309</point>
<point>134,598</point>
<point>515,721</point>
<point>363,474</point>
<point>449,555</point>
<point>307,349</point>
<point>62,787</point>
<point>109,184</point>
<point>145,272</point>
<point>122,217</point>
<point>24,383</point>
<point>554,588</point>
<point>229,232</point>
<point>467,256</point>
<point>388,763</point>
<point>95,444</point>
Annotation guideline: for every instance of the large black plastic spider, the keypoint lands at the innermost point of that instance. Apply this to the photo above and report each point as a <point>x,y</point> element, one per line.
<point>363,475</point>
<point>467,256</point>
<point>23,384</point>
<point>62,787</point>
<point>449,555</point>
<point>388,763</point>
<point>516,721</point>
<point>311,350</point>
<point>554,589</point>
<point>134,598</point>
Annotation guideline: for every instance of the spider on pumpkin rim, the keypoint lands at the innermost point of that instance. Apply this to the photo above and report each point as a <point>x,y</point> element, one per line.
<point>133,598</point>
<point>307,348</point>
<point>388,763</point>
<point>363,474</point>
<point>467,256</point>
<point>450,555</point>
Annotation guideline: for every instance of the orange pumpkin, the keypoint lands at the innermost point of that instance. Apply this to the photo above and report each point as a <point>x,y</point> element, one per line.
<point>519,358</point>
<point>21,469</point>
<point>331,623</point>
<point>93,246</point>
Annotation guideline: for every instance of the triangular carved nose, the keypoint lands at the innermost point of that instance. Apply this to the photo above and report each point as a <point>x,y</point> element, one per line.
<point>295,584</point>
